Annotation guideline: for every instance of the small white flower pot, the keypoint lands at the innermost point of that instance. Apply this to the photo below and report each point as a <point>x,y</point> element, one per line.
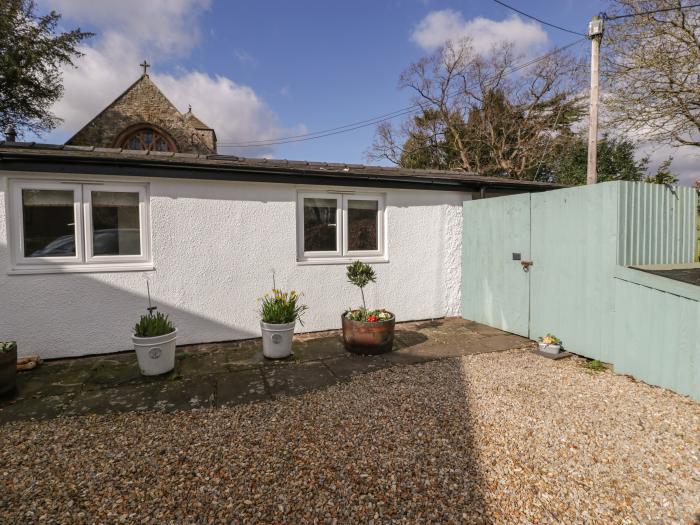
<point>277,339</point>
<point>551,349</point>
<point>156,355</point>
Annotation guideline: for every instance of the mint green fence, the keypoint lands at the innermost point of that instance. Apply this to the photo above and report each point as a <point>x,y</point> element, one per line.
<point>577,239</point>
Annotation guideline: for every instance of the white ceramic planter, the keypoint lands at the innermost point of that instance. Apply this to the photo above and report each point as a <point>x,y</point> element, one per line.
<point>549,348</point>
<point>277,339</point>
<point>156,355</point>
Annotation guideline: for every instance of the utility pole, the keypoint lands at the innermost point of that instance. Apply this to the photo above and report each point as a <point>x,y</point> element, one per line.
<point>595,33</point>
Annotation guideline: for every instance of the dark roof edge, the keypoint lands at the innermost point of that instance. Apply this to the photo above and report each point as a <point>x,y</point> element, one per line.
<point>86,165</point>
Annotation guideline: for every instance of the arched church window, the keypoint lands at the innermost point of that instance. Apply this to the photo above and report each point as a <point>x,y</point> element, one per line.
<point>147,138</point>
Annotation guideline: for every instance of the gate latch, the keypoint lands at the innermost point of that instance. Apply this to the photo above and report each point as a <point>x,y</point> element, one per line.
<point>526,265</point>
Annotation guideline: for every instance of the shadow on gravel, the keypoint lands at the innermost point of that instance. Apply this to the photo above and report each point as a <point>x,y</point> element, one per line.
<point>392,446</point>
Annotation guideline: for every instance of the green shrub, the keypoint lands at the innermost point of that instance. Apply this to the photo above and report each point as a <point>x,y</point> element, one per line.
<point>153,325</point>
<point>361,274</point>
<point>280,307</point>
<point>8,346</point>
<point>595,365</point>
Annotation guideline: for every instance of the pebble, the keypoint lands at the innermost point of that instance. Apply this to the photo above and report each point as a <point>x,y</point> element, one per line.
<point>493,438</point>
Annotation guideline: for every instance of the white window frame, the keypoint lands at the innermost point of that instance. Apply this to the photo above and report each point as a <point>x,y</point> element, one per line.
<point>342,255</point>
<point>83,261</point>
<point>90,258</point>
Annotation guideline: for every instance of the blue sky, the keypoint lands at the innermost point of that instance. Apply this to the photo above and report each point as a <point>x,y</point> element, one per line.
<point>267,69</point>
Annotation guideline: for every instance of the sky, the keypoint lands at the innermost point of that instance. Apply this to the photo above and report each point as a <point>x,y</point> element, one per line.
<point>260,70</point>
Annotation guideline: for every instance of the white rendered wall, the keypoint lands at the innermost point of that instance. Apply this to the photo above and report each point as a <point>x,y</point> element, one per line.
<point>215,245</point>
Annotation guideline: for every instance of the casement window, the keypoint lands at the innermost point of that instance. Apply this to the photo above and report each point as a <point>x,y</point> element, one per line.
<point>76,227</point>
<point>338,227</point>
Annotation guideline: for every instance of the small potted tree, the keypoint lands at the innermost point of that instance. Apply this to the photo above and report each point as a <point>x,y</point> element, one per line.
<point>154,341</point>
<point>8,366</point>
<point>279,312</point>
<point>366,332</point>
<point>549,344</point>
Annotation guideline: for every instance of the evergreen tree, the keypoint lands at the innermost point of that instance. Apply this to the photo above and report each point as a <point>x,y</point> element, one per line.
<point>32,53</point>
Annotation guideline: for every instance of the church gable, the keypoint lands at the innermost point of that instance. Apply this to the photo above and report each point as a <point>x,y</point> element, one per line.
<point>143,118</point>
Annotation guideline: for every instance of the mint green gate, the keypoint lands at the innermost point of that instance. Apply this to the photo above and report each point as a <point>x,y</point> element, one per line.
<point>495,289</point>
<point>580,241</point>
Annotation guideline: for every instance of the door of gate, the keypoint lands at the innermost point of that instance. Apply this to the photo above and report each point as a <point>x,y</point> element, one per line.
<point>495,262</point>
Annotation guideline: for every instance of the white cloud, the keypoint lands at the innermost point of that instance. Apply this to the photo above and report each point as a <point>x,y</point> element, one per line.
<point>171,26</point>
<point>235,112</point>
<point>111,61</point>
<point>440,26</point>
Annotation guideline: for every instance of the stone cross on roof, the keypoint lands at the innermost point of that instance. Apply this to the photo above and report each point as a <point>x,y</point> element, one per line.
<point>145,67</point>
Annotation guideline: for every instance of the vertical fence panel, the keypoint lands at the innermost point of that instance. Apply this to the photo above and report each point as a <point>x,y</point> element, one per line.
<point>656,226</point>
<point>574,248</point>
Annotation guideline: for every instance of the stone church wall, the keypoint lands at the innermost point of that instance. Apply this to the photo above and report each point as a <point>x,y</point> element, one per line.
<point>142,103</point>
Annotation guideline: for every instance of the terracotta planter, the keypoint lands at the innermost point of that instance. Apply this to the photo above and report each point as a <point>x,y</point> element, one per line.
<point>8,371</point>
<point>364,338</point>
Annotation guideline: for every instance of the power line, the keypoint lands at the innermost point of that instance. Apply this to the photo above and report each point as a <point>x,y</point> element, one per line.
<point>678,8</point>
<point>539,19</point>
<point>376,120</point>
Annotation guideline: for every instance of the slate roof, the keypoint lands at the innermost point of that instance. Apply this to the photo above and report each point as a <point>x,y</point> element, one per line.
<point>194,121</point>
<point>31,156</point>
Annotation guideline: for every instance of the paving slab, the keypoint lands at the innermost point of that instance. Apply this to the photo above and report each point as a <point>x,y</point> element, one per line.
<point>408,356</point>
<point>483,329</point>
<point>320,348</point>
<point>349,365</point>
<point>409,338</point>
<point>47,407</point>
<point>53,379</point>
<point>114,371</point>
<point>125,398</point>
<point>205,362</point>
<point>248,354</point>
<point>299,378</point>
<point>243,386</point>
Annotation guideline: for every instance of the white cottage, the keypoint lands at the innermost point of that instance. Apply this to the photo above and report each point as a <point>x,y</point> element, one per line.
<point>139,193</point>
<point>83,228</point>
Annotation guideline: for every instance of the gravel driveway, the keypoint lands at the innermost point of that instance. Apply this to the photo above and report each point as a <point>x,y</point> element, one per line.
<point>491,438</point>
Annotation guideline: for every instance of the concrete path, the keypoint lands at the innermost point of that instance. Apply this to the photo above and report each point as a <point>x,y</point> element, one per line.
<point>232,373</point>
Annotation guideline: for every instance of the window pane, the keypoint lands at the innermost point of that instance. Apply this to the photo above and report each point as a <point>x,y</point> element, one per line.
<point>362,225</point>
<point>320,225</point>
<point>49,223</point>
<point>115,223</point>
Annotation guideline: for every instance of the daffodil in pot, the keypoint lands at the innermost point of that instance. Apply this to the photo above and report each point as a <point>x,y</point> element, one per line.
<point>366,331</point>
<point>154,341</point>
<point>279,312</point>
<point>549,344</point>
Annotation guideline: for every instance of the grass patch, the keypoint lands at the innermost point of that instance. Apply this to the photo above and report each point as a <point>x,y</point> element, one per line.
<point>595,365</point>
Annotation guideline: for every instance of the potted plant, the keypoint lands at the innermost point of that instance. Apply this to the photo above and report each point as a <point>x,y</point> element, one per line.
<point>8,366</point>
<point>154,341</point>
<point>279,312</point>
<point>549,344</point>
<point>366,332</point>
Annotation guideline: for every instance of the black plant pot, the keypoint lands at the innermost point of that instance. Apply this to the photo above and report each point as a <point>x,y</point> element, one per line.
<point>8,371</point>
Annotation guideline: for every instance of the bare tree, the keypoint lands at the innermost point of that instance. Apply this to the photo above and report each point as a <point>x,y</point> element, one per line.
<point>651,65</point>
<point>483,113</point>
